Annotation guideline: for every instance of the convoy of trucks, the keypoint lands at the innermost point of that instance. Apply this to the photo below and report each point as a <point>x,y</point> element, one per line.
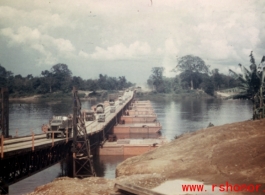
<point>61,126</point>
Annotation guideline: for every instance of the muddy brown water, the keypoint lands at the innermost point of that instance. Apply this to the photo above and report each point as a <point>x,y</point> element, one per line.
<point>175,116</point>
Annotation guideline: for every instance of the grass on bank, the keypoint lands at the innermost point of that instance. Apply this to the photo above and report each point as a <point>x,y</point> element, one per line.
<point>183,95</point>
<point>104,95</point>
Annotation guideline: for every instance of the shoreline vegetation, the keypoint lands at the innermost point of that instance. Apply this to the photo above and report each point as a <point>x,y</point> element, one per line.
<point>103,96</point>
<point>196,81</point>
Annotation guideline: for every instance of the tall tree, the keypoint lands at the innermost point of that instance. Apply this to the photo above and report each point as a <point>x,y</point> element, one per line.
<point>62,76</point>
<point>4,76</point>
<point>217,78</point>
<point>48,80</point>
<point>78,82</point>
<point>58,78</point>
<point>102,82</point>
<point>122,82</point>
<point>190,65</point>
<point>249,80</point>
<point>156,79</point>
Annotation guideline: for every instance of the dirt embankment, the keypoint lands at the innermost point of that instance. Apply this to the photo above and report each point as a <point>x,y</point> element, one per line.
<point>233,153</point>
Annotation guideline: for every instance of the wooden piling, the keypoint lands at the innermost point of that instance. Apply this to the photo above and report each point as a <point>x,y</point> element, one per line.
<point>52,139</point>
<point>32,141</point>
<point>66,134</point>
<point>2,146</point>
<point>74,158</point>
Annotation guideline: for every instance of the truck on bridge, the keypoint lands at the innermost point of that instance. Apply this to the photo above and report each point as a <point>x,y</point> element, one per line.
<point>88,115</point>
<point>100,110</point>
<point>59,124</point>
<point>112,109</point>
<point>112,98</point>
<point>121,100</point>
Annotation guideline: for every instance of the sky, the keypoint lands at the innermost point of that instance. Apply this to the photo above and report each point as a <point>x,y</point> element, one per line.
<point>128,37</point>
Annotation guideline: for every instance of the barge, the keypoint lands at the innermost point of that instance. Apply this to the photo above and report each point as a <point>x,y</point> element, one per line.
<point>131,147</point>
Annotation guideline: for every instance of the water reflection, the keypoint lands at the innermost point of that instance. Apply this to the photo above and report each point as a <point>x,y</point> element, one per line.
<point>27,117</point>
<point>175,116</point>
<point>105,166</point>
<point>191,109</point>
<point>180,116</point>
<point>29,184</point>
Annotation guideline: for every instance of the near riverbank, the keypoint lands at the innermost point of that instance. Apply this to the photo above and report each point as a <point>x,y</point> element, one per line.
<point>52,97</point>
<point>233,153</point>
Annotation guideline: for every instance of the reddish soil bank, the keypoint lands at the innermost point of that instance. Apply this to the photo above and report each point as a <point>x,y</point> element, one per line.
<point>233,153</point>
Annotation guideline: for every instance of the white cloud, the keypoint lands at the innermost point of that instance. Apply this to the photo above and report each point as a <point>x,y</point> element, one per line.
<point>64,45</point>
<point>29,38</point>
<point>120,51</point>
<point>79,32</point>
<point>83,54</point>
<point>169,54</point>
<point>23,35</point>
<point>170,47</point>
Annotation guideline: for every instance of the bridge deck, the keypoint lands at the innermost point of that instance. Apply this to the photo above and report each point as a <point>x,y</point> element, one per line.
<point>25,143</point>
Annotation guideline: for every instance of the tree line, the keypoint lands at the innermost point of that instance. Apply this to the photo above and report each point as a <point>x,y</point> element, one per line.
<point>193,74</point>
<point>58,78</point>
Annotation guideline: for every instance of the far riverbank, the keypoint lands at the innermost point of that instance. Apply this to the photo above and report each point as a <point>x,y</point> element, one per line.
<point>195,94</point>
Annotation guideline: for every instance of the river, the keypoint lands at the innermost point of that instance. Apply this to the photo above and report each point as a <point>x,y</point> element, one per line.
<point>175,116</point>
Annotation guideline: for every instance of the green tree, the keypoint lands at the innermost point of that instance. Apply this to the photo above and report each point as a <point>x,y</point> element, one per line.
<point>122,82</point>
<point>217,79</point>
<point>196,79</point>
<point>78,82</point>
<point>102,82</point>
<point>169,84</point>
<point>91,85</point>
<point>249,80</point>
<point>59,78</point>
<point>190,66</point>
<point>112,83</point>
<point>252,85</point>
<point>156,79</point>
<point>62,76</point>
<point>5,77</point>
<point>207,84</point>
<point>176,85</point>
<point>48,80</point>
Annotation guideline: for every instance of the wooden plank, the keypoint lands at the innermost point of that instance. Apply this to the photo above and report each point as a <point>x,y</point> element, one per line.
<point>134,189</point>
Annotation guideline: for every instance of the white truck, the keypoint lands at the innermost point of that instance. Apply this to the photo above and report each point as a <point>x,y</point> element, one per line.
<point>88,115</point>
<point>120,101</point>
<point>112,98</point>
<point>100,110</point>
<point>112,109</point>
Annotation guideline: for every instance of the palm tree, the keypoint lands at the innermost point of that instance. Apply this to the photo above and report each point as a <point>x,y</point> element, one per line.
<point>252,85</point>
